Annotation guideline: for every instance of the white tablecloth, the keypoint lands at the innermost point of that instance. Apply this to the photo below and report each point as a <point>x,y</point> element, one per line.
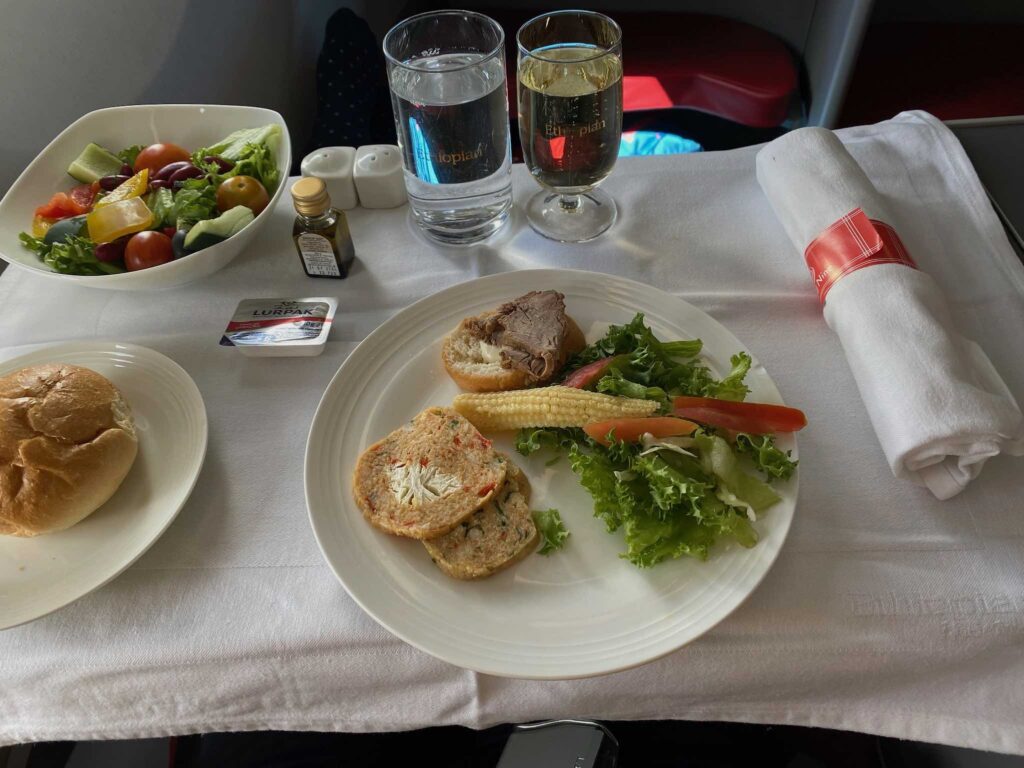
<point>887,611</point>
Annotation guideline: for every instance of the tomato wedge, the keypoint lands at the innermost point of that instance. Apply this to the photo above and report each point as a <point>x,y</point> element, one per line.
<point>583,377</point>
<point>61,206</point>
<point>759,418</point>
<point>631,430</point>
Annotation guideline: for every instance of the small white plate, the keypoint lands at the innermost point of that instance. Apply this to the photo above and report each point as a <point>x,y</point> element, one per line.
<point>582,611</point>
<point>44,573</point>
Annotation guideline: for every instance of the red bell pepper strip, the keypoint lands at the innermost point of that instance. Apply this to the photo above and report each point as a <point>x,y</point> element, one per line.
<point>590,373</point>
<point>758,418</point>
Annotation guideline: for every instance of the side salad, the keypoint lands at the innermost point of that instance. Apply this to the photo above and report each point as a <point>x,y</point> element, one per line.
<point>147,205</point>
<point>677,482</point>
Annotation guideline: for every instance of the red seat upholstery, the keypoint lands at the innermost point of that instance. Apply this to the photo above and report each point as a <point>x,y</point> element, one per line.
<point>707,63</point>
<point>951,70</point>
<point>716,65</point>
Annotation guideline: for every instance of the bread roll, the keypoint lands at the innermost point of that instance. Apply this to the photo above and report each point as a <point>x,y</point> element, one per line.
<point>67,440</point>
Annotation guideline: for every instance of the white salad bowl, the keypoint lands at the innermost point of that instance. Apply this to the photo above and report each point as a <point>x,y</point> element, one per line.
<point>190,125</point>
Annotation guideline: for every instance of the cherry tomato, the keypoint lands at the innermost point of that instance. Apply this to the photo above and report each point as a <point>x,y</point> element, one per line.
<point>147,249</point>
<point>84,195</point>
<point>156,156</point>
<point>242,190</point>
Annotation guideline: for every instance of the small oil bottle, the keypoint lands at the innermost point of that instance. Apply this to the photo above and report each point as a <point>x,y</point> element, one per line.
<point>321,232</point>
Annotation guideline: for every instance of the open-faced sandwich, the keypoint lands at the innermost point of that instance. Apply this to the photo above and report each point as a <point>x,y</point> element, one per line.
<point>524,342</point>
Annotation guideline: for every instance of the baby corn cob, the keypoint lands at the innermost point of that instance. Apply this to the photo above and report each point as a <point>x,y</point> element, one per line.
<point>547,407</point>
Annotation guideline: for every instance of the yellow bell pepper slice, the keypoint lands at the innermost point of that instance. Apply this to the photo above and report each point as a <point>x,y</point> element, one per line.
<point>40,226</point>
<point>133,187</point>
<point>118,219</point>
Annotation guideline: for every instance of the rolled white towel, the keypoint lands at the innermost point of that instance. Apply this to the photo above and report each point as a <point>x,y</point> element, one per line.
<point>938,406</point>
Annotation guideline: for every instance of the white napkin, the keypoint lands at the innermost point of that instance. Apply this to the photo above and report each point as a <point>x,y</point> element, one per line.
<point>938,406</point>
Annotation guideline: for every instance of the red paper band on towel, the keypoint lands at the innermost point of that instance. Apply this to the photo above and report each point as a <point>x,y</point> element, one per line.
<point>852,243</point>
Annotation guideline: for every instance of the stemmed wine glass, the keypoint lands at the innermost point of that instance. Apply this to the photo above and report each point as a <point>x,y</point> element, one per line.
<point>570,119</point>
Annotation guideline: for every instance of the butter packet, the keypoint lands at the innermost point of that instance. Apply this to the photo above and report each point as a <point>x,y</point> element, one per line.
<point>281,327</point>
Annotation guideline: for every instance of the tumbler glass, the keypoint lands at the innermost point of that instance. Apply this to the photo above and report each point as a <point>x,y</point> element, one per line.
<point>446,70</point>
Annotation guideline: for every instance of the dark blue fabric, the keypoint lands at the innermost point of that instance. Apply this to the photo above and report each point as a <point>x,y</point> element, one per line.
<point>353,107</point>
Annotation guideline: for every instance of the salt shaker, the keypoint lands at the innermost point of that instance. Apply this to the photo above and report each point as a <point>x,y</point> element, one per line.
<point>379,176</point>
<point>334,165</point>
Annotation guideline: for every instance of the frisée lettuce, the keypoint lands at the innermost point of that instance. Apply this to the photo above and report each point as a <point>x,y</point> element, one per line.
<point>646,367</point>
<point>675,496</point>
<point>552,531</point>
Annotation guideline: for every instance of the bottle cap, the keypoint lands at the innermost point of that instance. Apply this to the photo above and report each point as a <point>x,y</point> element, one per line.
<point>309,195</point>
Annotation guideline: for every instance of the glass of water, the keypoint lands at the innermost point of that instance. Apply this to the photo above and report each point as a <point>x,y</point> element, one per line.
<point>446,70</point>
<point>570,120</point>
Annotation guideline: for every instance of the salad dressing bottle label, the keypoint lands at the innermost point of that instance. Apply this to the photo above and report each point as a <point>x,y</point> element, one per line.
<point>317,255</point>
<point>321,232</point>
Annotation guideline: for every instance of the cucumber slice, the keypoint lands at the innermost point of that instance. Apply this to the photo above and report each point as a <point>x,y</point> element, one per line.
<point>212,231</point>
<point>93,164</point>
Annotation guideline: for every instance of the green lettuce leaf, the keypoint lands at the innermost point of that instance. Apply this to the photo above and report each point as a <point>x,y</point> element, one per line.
<point>195,201</point>
<point>530,441</point>
<point>37,245</point>
<point>258,161</point>
<point>718,459</point>
<point>615,383</point>
<point>552,531</point>
<point>161,203</point>
<point>666,504</point>
<point>728,521</point>
<point>673,487</point>
<point>596,473</point>
<point>75,256</point>
<point>128,154</point>
<point>771,461</point>
<point>732,386</point>
<point>233,147</point>
<point>650,540</point>
<point>253,152</point>
<point>658,370</point>
<point>623,339</point>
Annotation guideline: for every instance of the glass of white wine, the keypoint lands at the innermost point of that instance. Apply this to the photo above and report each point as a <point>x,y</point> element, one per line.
<point>570,120</point>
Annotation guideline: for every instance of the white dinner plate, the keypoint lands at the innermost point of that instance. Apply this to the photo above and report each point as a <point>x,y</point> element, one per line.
<point>44,573</point>
<point>579,612</point>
